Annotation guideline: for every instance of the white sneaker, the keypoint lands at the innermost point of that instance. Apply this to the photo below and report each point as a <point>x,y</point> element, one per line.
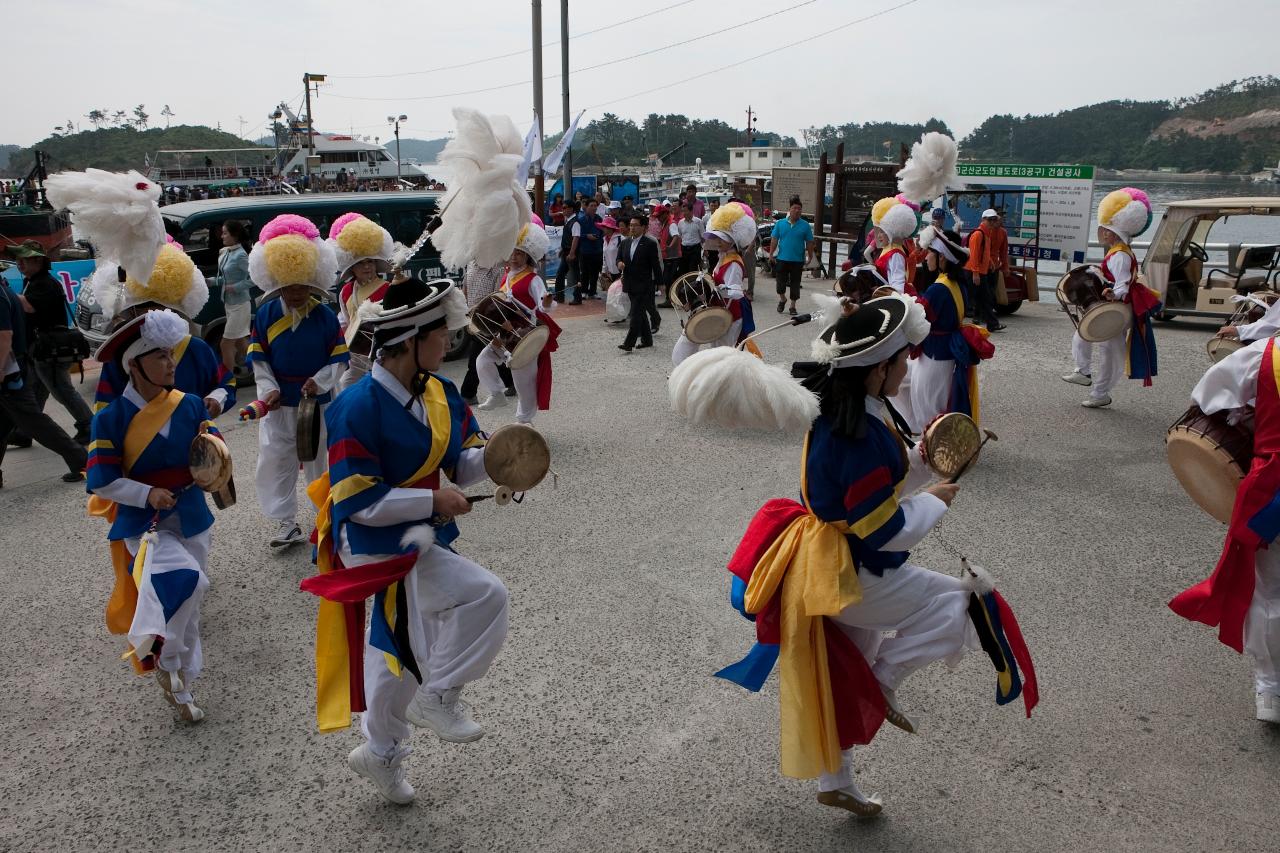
<point>1268,708</point>
<point>1075,377</point>
<point>386,774</point>
<point>288,533</point>
<point>1097,402</point>
<point>493,401</point>
<point>445,714</point>
<point>893,712</point>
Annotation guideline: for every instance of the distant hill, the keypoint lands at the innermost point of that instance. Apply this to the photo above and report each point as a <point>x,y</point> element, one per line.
<point>117,148</point>
<point>1231,128</point>
<point>422,150</point>
<point>7,151</point>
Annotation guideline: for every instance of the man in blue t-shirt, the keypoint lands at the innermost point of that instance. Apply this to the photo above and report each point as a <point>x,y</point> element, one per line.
<point>791,246</point>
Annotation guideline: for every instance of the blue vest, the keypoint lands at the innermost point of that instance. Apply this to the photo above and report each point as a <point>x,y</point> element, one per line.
<point>590,227</point>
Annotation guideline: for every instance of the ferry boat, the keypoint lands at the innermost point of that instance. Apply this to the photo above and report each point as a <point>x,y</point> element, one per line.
<point>262,166</point>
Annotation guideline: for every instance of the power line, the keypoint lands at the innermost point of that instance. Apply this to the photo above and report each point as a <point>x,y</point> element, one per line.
<point>508,55</point>
<point>745,60</point>
<point>611,62</point>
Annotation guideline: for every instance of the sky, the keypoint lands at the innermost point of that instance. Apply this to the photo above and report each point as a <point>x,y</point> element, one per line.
<point>824,61</point>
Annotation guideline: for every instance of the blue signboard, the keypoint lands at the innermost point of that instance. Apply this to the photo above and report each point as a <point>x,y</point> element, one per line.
<point>72,275</point>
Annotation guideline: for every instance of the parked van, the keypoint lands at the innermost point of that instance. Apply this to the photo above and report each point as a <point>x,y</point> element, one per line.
<point>197,225</point>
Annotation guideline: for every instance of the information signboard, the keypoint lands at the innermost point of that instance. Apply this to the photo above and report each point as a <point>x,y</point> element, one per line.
<point>1061,211</point>
<point>859,187</point>
<point>788,183</point>
<point>751,191</point>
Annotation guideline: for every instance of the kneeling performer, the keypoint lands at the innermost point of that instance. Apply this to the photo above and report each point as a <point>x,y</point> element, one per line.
<point>384,528</point>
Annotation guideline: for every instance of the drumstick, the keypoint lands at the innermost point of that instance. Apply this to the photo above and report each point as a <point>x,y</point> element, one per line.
<point>794,321</point>
<point>965,467</point>
<point>473,499</point>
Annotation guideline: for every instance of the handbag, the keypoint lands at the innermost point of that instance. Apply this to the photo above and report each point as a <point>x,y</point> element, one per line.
<point>60,344</point>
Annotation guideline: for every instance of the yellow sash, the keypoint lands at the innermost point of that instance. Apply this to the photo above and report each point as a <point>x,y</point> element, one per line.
<point>812,562</point>
<point>143,428</point>
<point>333,662</point>
<point>958,299</point>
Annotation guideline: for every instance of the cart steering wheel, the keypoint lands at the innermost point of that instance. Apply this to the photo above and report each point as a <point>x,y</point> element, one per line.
<point>1197,251</point>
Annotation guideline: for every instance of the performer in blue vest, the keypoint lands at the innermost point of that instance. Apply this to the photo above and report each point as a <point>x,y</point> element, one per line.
<point>385,528</point>
<point>297,349</point>
<point>140,480</point>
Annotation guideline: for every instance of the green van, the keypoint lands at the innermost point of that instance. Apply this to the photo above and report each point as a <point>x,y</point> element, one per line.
<point>197,225</point>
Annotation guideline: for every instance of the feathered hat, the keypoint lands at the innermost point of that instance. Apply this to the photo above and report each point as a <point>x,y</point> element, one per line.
<point>730,388</point>
<point>354,238</point>
<point>487,206</point>
<point>533,241</point>
<point>734,224</point>
<point>930,169</point>
<point>412,306</point>
<point>897,216</point>
<point>118,212</point>
<point>871,333</point>
<point>174,283</point>
<point>143,334</point>
<point>289,251</point>
<point>1125,212</point>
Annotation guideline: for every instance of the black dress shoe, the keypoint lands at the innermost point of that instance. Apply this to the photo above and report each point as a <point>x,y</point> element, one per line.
<point>625,348</point>
<point>73,476</point>
<point>20,442</point>
<point>656,326</point>
<point>510,392</point>
<point>644,346</point>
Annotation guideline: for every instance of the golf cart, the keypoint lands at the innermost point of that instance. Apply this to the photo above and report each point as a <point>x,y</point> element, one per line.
<point>1175,263</point>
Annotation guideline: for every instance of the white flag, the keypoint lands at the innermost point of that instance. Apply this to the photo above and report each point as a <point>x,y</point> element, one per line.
<point>556,157</point>
<point>532,150</point>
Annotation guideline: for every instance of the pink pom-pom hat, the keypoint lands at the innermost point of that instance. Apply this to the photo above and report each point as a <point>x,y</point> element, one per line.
<point>341,222</point>
<point>288,223</point>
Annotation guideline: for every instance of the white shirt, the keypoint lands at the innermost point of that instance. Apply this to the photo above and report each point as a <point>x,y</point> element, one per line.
<point>691,231</point>
<point>921,511</point>
<point>123,490</point>
<point>732,287</point>
<point>611,246</point>
<point>1120,264</point>
<point>898,273</point>
<point>1231,383</point>
<point>1264,328</point>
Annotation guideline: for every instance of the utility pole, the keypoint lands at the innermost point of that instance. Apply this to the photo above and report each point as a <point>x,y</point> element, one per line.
<point>749,127</point>
<point>307,80</point>
<point>539,190</point>
<point>395,120</point>
<point>564,82</point>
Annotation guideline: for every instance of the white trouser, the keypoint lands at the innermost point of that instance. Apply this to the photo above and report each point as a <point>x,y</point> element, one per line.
<point>685,347</point>
<point>928,615</point>
<point>930,390</point>
<point>1262,624</point>
<point>525,379</point>
<point>461,623</point>
<point>277,473</point>
<point>171,552</point>
<point>1110,362</point>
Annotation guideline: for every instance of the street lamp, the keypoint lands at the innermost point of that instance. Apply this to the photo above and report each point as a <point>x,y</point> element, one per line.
<point>395,120</point>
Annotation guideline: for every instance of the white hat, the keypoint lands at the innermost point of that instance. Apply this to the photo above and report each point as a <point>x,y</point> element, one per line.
<point>533,241</point>
<point>733,224</point>
<point>174,282</point>
<point>934,238</point>
<point>896,216</point>
<point>146,333</point>
<point>289,251</point>
<point>990,213</point>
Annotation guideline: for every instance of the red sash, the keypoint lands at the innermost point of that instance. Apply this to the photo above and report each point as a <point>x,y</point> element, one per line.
<point>1222,600</point>
<point>520,291</point>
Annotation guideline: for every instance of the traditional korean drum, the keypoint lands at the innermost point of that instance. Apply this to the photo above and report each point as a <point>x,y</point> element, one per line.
<point>1095,318</point>
<point>1210,456</point>
<point>704,313</point>
<point>499,319</point>
<point>210,464</point>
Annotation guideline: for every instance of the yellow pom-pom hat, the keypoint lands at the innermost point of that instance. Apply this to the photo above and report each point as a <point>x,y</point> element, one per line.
<point>1125,212</point>
<point>732,223</point>
<point>355,238</point>
<point>289,251</point>
<point>896,217</point>
<point>174,283</point>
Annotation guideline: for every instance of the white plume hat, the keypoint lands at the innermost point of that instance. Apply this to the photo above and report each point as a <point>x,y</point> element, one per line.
<point>931,169</point>
<point>118,212</point>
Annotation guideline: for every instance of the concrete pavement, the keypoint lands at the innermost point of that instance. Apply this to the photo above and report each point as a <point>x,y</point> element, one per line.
<point>606,729</point>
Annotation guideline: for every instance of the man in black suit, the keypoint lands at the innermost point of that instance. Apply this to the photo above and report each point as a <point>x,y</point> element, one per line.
<point>641,276</point>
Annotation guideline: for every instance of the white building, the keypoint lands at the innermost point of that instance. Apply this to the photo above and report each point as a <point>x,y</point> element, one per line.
<point>763,158</point>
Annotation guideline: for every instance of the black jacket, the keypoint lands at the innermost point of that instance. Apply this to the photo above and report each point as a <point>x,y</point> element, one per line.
<point>643,273</point>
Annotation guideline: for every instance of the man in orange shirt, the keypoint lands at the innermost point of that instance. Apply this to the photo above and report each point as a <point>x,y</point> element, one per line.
<point>988,257</point>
